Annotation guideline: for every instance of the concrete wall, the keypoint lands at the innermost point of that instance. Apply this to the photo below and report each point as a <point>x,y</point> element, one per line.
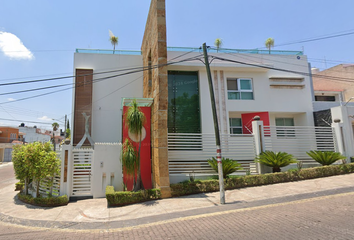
<point>107,168</point>
<point>108,93</point>
<point>32,135</point>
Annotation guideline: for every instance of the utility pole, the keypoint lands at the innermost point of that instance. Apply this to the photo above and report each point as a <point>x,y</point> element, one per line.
<point>65,127</point>
<point>216,126</point>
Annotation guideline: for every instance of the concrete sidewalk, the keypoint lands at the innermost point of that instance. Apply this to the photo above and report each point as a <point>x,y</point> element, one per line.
<point>94,214</point>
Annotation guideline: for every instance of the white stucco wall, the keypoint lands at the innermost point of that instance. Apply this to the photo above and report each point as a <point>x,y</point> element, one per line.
<point>284,102</point>
<point>31,135</point>
<point>108,93</point>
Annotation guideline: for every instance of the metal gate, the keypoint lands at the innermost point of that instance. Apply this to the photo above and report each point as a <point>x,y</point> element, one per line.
<point>81,172</point>
<point>7,155</point>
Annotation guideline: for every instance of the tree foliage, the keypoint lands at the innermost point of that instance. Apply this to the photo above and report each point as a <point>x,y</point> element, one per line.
<point>326,157</point>
<point>35,161</point>
<point>269,43</point>
<point>129,158</point>
<point>113,39</point>
<point>218,43</point>
<point>228,166</point>
<point>276,160</point>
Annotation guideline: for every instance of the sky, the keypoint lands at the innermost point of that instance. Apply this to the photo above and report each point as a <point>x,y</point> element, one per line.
<point>38,39</point>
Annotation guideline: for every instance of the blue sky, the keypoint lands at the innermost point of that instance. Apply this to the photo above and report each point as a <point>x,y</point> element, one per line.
<point>50,31</point>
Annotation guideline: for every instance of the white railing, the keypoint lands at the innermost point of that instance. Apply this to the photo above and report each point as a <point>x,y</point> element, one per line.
<point>188,153</point>
<point>46,189</point>
<point>298,140</point>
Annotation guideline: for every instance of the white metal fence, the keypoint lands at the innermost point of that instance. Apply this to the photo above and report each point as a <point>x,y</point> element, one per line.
<point>188,153</point>
<point>298,140</point>
<point>46,189</point>
<point>81,172</point>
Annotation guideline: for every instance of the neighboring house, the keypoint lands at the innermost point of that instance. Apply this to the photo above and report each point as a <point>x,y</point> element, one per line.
<point>332,88</point>
<point>34,134</point>
<point>8,137</point>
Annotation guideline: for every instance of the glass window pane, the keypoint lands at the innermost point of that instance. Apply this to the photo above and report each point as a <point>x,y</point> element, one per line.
<point>279,122</point>
<point>245,84</point>
<point>232,84</point>
<point>288,122</point>
<point>237,131</point>
<point>235,122</point>
<point>247,95</point>
<point>233,95</point>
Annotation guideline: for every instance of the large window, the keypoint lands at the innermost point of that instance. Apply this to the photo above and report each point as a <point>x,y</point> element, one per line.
<point>183,102</point>
<point>235,125</point>
<point>239,88</point>
<point>282,127</point>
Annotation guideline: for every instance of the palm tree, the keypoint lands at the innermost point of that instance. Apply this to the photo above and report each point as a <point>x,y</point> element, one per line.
<point>135,120</point>
<point>269,43</point>
<point>218,43</point>
<point>113,39</point>
<point>55,126</point>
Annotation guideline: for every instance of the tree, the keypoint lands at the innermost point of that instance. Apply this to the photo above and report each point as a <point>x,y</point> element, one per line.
<point>35,161</point>
<point>276,160</point>
<point>269,43</point>
<point>129,159</point>
<point>135,120</point>
<point>218,43</point>
<point>67,132</point>
<point>113,39</point>
<point>55,126</point>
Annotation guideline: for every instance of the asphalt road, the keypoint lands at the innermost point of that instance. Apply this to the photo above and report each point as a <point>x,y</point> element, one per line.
<point>325,217</point>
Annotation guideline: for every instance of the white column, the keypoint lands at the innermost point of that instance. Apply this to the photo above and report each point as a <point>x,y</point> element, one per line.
<point>66,182</point>
<point>258,134</point>
<point>338,129</point>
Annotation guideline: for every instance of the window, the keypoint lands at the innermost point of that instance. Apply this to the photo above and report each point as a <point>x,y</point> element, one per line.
<point>239,88</point>
<point>325,98</point>
<point>282,127</point>
<point>235,126</point>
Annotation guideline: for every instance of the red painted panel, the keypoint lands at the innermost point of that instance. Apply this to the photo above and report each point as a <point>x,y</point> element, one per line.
<point>247,119</point>
<point>145,152</point>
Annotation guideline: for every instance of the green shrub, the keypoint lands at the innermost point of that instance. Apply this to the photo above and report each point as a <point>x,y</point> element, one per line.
<point>325,158</point>
<point>118,198</point>
<point>44,201</point>
<point>19,186</point>
<point>228,166</point>
<point>204,186</point>
<point>276,160</point>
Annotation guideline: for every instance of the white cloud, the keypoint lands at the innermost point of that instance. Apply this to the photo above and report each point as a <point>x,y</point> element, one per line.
<point>11,99</point>
<point>45,118</point>
<point>12,47</point>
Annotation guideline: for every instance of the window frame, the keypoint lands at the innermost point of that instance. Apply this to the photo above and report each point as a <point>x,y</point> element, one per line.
<point>239,90</point>
<point>231,127</point>
<point>285,133</point>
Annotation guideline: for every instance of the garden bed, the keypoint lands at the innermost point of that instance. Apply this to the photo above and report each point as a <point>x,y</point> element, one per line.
<point>204,186</point>
<point>44,202</point>
<point>119,198</point>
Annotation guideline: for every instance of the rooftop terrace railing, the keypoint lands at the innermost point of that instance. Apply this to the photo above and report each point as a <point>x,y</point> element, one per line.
<point>189,49</point>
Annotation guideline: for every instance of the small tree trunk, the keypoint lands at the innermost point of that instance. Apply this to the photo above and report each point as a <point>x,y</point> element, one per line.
<point>139,183</point>
<point>37,190</point>
<point>26,186</point>
<point>276,169</point>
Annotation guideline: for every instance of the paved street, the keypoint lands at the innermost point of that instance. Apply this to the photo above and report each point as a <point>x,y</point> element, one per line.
<point>321,218</point>
<point>324,215</point>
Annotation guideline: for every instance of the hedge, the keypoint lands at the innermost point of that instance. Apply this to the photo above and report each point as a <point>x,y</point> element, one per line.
<point>203,186</point>
<point>118,198</point>
<point>19,186</point>
<point>44,202</point>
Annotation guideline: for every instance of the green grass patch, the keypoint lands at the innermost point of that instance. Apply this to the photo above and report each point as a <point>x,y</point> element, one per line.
<point>119,198</point>
<point>44,201</point>
<point>203,186</point>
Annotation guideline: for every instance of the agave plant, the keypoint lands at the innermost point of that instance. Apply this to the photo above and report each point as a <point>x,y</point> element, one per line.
<point>276,160</point>
<point>228,166</point>
<point>326,157</point>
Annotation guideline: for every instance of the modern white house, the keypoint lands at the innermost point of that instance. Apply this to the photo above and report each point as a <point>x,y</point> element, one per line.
<point>33,134</point>
<point>264,101</point>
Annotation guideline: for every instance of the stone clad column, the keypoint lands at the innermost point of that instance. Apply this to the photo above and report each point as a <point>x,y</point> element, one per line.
<point>154,50</point>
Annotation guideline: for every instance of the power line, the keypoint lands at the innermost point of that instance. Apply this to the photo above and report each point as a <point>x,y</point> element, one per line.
<point>96,80</point>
